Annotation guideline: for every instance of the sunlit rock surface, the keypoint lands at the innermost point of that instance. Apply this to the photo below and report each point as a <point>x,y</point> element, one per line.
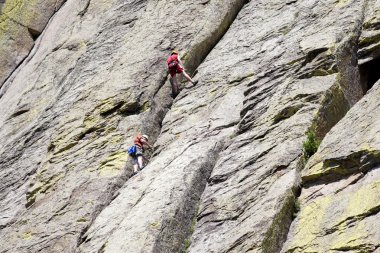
<point>228,172</point>
<point>21,22</point>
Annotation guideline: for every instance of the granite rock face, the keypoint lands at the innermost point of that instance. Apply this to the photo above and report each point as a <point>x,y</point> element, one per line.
<point>21,22</point>
<point>95,79</point>
<point>339,204</point>
<point>227,173</point>
<point>340,201</point>
<point>301,80</point>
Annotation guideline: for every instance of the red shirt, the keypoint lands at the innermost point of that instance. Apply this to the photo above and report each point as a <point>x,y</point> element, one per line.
<point>173,57</point>
<point>138,141</point>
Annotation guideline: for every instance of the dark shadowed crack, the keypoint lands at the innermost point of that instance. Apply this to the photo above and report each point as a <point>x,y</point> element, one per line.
<point>158,116</point>
<point>186,212</point>
<point>339,99</point>
<point>85,9</point>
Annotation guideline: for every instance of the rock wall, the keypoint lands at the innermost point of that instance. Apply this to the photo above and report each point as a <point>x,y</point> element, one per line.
<point>339,204</point>
<point>21,22</point>
<point>300,79</point>
<point>95,79</point>
<point>228,172</point>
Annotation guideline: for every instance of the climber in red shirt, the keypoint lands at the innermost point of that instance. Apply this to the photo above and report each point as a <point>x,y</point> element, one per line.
<point>175,66</point>
<point>141,141</point>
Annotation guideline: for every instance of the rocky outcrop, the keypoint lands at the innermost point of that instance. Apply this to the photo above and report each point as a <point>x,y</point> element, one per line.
<point>339,204</point>
<point>301,79</point>
<point>21,22</point>
<point>369,40</point>
<point>228,166</point>
<point>93,83</point>
<point>369,43</point>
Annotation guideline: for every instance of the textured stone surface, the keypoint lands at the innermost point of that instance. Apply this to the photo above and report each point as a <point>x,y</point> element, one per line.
<point>21,22</point>
<point>370,37</point>
<point>341,201</point>
<point>93,83</point>
<point>226,169</point>
<point>300,78</point>
<point>193,133</point>
<point>369,46</point>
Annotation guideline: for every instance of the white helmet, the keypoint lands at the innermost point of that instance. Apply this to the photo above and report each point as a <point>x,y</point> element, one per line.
<point>145,137</point>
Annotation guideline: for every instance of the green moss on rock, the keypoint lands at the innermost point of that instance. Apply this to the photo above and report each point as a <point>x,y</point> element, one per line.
<point>113,164</point>
<point>333,107</point>
<point>336,168</point>
<point>82,220</point>
<point>40,187</point>
<point>365,41</point>
<point>310,220</point>
<point>276,234</point>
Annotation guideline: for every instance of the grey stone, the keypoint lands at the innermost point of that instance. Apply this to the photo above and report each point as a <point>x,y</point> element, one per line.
<point>21,22</point>
<point>301,76</point>
<point>340,202</point>
<point>95,79</point>
<point>227,164</point>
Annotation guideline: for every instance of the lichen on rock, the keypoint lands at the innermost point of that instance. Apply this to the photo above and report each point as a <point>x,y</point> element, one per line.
<point>80,79</point>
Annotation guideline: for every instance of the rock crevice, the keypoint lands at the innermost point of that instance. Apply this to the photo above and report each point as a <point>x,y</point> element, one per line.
<point>228,167</point>
<point>111,117</point>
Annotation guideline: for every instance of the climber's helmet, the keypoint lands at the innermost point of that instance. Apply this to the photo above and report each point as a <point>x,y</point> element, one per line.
<point>145,137</point>
<point>175,52</point>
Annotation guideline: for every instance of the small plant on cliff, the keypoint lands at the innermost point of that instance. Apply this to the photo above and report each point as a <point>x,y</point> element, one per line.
<point>311,145</point>
<point>186,246</point>
<point>297,208</point>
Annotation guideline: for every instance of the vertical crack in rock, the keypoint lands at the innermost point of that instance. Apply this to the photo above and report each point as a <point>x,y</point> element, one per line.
<point>341,187</point>
<point>369,74</point>
<point>263,82</point>
<point>339,205</point>
<point>92,145</point>
<point>167,240</point>
<point>194,56</point>
<point>186,212</point>
<point>292,77</point>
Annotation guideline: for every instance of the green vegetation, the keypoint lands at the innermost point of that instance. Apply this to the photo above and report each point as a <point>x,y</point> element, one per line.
<point>186,246</point>
<point>279,226</point>
<point>82,219</point>
<point>187,242</point>
<point>311,145</point>
<point>297,208</point>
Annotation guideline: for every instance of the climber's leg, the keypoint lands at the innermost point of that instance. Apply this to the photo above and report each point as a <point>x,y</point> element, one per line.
<point>188,77</point>
<point>174,83</point>
<point>135,164</point>
<point>140,162</point>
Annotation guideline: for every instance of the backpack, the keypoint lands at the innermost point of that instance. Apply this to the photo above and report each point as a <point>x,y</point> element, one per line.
<point>172,64</point>
<point>172,61</point>
<point>132,150</point>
